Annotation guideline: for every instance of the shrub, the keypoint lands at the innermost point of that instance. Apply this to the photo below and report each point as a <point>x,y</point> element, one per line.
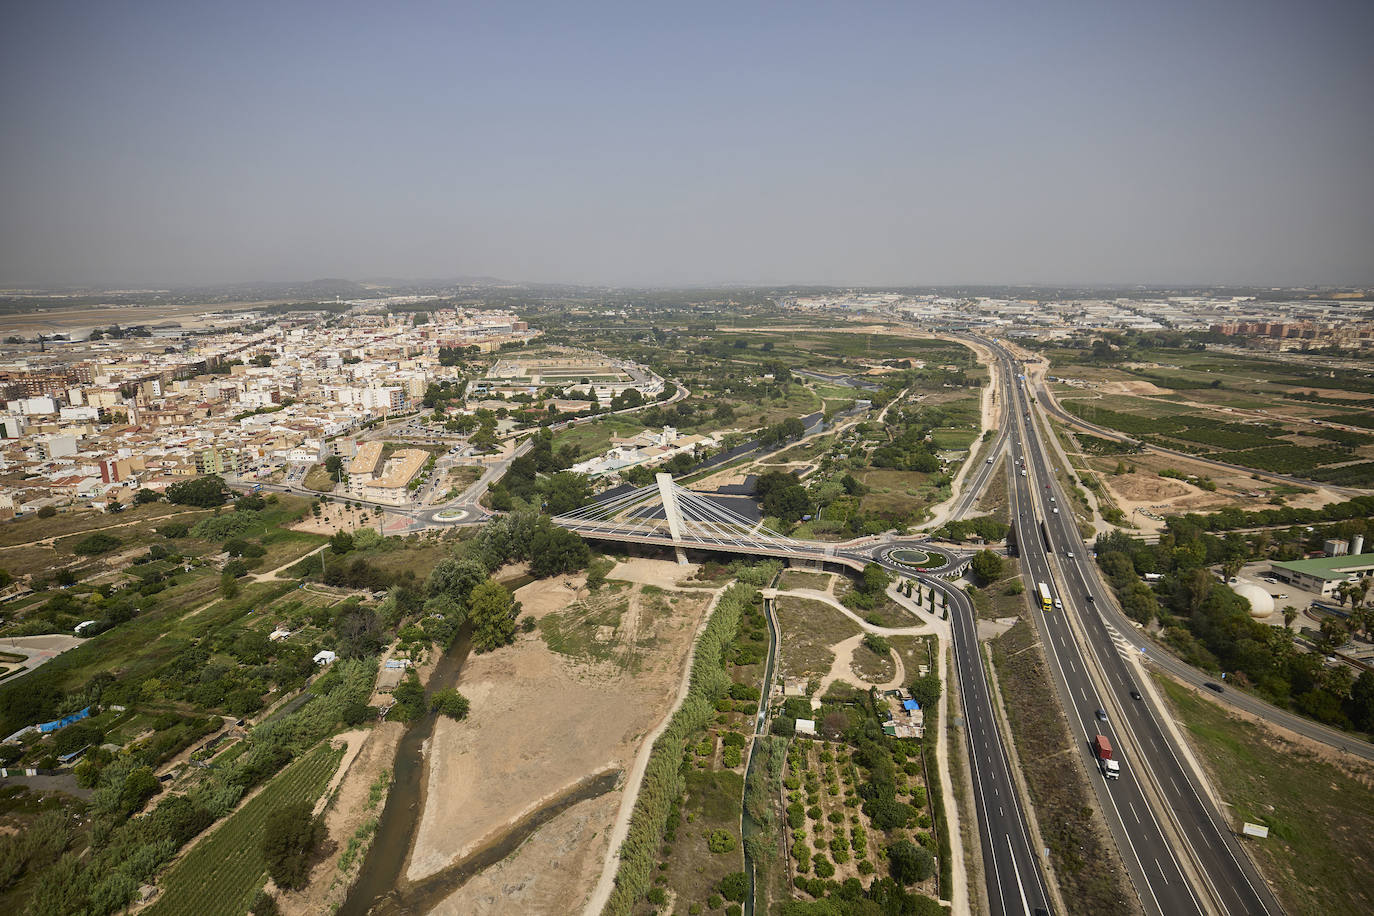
<point>734,886</point>
<point>449,702</point>
<point>720,842</point>
<point>95,544</point>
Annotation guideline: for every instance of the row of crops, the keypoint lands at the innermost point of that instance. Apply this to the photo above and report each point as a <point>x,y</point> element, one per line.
<point>1259,446</point>
<point>224,871</point>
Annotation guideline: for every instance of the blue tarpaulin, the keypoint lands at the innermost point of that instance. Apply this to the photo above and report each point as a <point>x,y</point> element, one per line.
<point>63,722</point>
<point>910,705</point>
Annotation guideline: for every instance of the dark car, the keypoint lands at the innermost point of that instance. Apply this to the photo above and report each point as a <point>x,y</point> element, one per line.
<point>1135,694</point>
<point>1089,597</point>
<point>1101,715</point>
<point>1217,687</point>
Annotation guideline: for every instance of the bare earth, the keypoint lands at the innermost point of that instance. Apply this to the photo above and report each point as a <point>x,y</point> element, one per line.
<point>541,722</point>
<point>565,853</point>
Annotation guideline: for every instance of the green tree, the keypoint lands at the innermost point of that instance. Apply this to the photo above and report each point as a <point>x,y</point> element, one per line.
<point>456,578</point>
<point>875,579</point>
<point>341,543</point>
<point>145,495</point>
<point>288,839</point>
<point>409,697</point>
<point>734,886</point>
<point>139,786</point>
<point>909,863</point>
<point>335,466</point>
<point>493,614</point>
<point>987,566</point>
<point>556,550</point>
<point>204,492</point>
<point>449,702</point>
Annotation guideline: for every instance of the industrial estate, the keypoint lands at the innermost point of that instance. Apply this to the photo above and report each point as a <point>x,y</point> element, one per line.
<point>485,599</point>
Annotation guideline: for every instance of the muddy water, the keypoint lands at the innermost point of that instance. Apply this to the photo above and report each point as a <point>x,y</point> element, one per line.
<point>384,866</point>
<point>381,888</point>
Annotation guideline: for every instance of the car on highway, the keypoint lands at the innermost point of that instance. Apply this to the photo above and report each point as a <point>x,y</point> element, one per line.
<point>1135,695</point>
<point>1101,714</point>
<point>1089,598</point>
<point>1217,687</point>
<point>1070,554</point>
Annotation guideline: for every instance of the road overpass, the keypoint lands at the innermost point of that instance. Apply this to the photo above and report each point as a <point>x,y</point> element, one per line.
<point>669,516</point>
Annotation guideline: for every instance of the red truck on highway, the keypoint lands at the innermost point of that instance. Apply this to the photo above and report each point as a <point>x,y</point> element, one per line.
<point>1103,749</point>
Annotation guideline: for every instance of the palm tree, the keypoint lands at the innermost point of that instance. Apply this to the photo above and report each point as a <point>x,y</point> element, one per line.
<point>1290,614</point>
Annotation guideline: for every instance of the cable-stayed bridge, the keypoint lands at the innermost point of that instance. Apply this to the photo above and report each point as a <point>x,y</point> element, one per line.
<point>668,515</point>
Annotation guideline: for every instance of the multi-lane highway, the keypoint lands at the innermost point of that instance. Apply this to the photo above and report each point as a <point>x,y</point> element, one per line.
<point>1181,854</point>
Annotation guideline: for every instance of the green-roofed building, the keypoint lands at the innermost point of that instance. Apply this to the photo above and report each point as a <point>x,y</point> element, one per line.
<point>1323,574</point>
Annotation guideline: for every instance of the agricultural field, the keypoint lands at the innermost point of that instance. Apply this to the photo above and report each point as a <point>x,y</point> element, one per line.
<point>1315,453</point>
<point>222,872</point>
<point>1271,414</point>
<point>858,805</point>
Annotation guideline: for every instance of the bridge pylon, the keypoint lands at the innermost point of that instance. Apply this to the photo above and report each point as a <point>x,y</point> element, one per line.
<point>668,494</point>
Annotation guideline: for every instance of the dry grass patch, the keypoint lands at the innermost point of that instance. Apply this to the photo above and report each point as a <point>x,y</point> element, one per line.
<point>809,629</point>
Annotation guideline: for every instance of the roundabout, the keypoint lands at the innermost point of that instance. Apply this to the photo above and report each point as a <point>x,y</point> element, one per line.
<point>922,559</point>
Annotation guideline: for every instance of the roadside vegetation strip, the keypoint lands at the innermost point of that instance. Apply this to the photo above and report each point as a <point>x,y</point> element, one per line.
<point>1091,875</point>
<point>663,782</point>
<point>1320,814</point>
<point>222,873</point>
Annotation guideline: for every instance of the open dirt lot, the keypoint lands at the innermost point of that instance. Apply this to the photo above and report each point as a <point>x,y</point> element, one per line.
<point>1141,388</point>
<point>549,873</point>
<point>1145,489</point>
<point>337,517</point>
<point>540,722</point>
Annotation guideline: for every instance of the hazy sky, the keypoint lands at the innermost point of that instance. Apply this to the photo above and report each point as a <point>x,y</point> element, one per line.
<point>698,142</point>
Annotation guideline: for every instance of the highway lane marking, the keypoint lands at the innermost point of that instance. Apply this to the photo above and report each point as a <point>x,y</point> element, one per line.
<point>1161,871</point>
<point>1025,907</point>
<point>1131,805</point>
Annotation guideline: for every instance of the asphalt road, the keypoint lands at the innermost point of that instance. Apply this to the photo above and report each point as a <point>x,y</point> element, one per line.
<point>1152,767</point>
<point>1015,881</point>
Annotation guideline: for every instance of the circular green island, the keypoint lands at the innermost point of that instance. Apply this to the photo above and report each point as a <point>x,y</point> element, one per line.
<point>449,515</point>
<point>909,556</point>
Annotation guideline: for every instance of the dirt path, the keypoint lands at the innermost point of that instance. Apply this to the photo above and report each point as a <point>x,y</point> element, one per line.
<point>635,777</point>
<point>842,669</point>
<point>272,573</point>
